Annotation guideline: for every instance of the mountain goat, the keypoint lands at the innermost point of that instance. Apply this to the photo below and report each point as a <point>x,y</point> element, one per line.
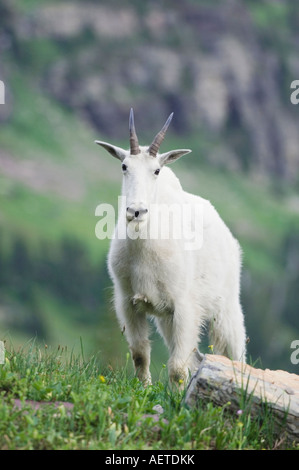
<point>181,288</point>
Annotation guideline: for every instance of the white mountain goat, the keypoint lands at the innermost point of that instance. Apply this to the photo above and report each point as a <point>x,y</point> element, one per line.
<point>183,289</point>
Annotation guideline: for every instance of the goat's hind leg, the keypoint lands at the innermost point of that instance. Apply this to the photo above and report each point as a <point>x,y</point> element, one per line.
<point>228,335</point>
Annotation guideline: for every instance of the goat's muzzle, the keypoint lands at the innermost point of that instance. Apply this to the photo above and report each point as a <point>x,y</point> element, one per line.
<point>136,213</point>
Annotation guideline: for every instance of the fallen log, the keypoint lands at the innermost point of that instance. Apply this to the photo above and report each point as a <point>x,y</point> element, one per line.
<point>220,380</point>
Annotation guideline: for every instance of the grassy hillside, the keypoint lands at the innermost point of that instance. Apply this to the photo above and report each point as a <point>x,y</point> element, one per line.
<point>52,399</point>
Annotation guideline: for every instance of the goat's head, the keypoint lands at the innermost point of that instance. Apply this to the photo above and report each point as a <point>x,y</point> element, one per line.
<point>141,167</point>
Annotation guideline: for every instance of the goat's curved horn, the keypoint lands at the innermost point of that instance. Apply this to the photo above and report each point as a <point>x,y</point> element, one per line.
<point>155,145</point>
<point>134,145</point>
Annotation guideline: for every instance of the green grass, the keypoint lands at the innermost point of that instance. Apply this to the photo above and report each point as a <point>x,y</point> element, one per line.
<point>111,409</point>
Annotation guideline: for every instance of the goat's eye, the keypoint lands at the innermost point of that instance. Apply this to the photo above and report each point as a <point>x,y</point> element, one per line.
<point>157,171</point>
<point>124,167</point>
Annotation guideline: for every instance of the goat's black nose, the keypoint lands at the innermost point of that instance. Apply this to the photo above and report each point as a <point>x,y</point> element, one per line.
<point>134,214</point>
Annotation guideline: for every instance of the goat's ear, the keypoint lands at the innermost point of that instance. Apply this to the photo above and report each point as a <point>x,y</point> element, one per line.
<point>116,152</point>
<point>172,156</point>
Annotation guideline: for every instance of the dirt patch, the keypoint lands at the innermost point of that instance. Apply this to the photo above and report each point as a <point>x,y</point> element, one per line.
<point>36,405</point>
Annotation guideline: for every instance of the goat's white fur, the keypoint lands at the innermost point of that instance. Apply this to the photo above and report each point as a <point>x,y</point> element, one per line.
<point>182,290</point>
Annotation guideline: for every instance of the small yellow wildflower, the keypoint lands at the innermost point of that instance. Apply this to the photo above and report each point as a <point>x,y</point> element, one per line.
<point>102,379</point>
<point>211,347</point>
<point>181,381</point>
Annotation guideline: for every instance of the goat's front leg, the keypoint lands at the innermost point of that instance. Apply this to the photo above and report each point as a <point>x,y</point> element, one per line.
<point>135,327</point>
<point>180,332</point>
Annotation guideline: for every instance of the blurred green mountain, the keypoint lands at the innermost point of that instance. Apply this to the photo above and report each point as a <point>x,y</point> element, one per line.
<point>72,71</point>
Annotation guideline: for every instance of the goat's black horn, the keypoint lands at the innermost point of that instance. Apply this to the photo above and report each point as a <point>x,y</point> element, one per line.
<point>134,145</point>
<point>155,145</point>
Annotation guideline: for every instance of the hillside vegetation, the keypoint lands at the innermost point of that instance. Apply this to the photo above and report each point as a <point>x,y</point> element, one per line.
<point>54,400</point>
<point>72,71</point>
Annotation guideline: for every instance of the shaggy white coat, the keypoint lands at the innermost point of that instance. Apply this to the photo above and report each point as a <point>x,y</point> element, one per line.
<point>182,290</point>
